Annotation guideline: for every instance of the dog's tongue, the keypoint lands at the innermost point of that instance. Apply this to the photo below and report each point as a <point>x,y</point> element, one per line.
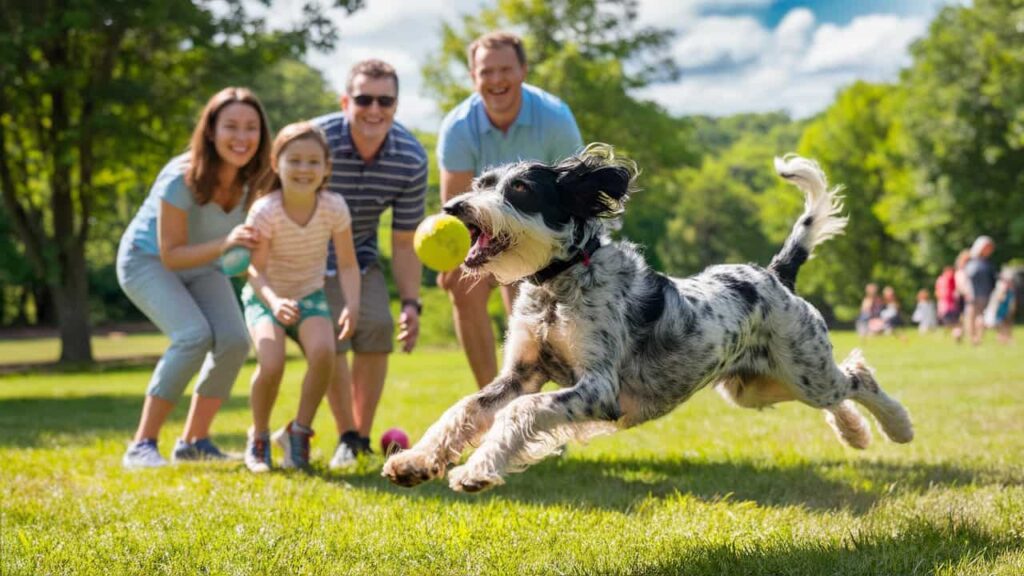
<point>483,240</point>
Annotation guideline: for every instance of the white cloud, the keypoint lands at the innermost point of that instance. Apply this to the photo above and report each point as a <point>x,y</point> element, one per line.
<point>715,41</point>
<point>876,43</point>
<point>797,67</point>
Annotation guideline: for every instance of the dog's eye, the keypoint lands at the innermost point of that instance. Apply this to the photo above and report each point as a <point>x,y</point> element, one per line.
<point>518,186</point>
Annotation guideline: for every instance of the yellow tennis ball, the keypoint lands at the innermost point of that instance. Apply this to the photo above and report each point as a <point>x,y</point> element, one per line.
<point>442,242</point>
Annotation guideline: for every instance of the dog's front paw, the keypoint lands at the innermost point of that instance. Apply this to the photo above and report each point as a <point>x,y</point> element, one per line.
<point>471,479</point>
<point>412,467</point>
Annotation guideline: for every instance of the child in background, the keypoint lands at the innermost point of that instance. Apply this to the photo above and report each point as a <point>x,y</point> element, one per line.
<point>1002,307</point>
<point>925,314</point>
<point>868,322</point>
<point>285,297</point>
<point>890,315</point>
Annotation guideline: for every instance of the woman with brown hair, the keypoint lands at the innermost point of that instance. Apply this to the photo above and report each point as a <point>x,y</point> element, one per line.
<point>168,264</point>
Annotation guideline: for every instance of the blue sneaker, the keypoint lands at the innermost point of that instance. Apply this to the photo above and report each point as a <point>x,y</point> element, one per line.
<point>257,453</point>
<point>295,444</point>
<point>202,449</point>
<point>143,454</point>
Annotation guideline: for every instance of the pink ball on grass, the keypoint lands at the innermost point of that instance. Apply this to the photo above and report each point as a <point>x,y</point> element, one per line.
<point>393,440</point>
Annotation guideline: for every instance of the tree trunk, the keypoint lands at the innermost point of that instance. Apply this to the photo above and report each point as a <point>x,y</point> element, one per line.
<point>71,289</point>
<point>72,299</point>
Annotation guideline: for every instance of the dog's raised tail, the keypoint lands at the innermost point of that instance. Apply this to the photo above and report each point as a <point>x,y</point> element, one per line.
<point>820,221</point>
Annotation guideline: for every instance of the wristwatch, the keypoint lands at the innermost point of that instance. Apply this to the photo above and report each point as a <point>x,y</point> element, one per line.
<point>415,303</point>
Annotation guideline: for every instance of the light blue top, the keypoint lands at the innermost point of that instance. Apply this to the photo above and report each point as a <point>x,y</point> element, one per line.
<point>544,130</point>
<point>205,222</point>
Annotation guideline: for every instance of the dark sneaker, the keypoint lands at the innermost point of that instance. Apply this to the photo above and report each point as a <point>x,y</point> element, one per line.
<point>257,453</point>
<point>295,444</point>
<point>202,449</point>
<point>364,445</point>
<point>347,454</point>
<point>143,454</point>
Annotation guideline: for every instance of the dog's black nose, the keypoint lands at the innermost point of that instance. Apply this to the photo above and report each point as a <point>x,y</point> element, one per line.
<point>454,207</point>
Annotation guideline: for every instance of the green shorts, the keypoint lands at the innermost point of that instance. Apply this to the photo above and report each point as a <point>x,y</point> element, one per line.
<point>310,306</point>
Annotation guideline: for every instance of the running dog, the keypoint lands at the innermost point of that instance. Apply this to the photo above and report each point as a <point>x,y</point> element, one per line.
<point>628,344</point>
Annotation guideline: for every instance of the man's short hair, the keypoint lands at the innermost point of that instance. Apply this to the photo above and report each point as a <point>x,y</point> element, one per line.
<point>371,68</point>
<point>493,40</point>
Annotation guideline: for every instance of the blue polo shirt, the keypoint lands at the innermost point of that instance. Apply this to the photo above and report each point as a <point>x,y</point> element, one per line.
<point>544,130</point>
<point>396,179</point>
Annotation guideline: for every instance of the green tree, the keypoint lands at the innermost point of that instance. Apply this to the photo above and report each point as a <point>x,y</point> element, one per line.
<point>90,91</point>
<point>964,117</point>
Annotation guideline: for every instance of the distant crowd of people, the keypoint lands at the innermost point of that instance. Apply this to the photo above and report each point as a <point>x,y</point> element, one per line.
<point>970,297</point>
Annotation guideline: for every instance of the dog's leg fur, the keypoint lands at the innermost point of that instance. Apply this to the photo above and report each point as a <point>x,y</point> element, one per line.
<point>463,424</point>
<point>891,416</point>
<point>849,425</point>
<point>532,427</point>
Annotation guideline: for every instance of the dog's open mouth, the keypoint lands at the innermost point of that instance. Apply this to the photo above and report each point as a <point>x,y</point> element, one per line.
<point>484,246</point>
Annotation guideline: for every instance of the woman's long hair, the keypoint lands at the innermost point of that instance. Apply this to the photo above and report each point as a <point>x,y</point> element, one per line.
<point>289,134</point>
<point>204,162</point>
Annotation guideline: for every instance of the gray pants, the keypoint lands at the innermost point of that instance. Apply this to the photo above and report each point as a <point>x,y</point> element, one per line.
<point>198,311</point>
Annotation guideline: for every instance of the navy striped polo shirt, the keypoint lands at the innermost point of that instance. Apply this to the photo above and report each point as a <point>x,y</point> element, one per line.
<point>396,179</point>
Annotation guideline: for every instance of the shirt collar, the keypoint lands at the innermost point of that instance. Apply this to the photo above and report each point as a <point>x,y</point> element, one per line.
<point>348,147</point>
<point>524,118</point>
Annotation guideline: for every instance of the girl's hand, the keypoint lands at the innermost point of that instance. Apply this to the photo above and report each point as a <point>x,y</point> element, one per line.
<point>347,322</point>
<point>286,311</point>
<point>242,235</point>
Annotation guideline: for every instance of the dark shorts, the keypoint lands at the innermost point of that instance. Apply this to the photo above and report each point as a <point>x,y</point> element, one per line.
<point>375,330</point>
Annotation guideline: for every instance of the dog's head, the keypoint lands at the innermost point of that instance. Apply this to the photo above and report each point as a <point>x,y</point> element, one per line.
<point>522,216</point>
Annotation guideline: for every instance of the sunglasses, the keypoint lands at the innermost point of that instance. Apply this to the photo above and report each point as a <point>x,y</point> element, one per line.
<point>366,100</point>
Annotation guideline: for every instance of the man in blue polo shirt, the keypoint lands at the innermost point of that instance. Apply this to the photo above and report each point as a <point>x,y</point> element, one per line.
<point>503,121</point>
<point>376,164</point>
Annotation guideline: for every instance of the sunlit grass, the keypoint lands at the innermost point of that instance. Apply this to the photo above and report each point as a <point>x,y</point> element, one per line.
<point>710,489</point>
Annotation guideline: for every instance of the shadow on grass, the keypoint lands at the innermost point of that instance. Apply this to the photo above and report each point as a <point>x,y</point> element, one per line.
<point>27,421</point>
<point>917,548</point>
<point>622,484</point>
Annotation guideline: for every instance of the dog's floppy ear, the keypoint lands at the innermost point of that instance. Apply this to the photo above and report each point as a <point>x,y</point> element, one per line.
<point>595,183</point>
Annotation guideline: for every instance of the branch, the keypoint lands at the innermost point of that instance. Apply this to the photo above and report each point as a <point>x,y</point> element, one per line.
<point>22,223</point>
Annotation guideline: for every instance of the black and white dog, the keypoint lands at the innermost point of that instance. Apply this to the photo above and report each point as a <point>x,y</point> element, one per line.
<point>626,343</point>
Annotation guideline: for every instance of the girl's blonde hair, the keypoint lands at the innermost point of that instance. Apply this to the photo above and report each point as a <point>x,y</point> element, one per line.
<point>289,134</point>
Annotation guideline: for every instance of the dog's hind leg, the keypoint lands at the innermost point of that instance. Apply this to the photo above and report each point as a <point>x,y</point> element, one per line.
<point>891,416</point>
<point>531,428</point>
<point>460,426</point>
<point>849,425</point>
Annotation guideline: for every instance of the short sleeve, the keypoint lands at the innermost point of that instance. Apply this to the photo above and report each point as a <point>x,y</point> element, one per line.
<point>342,215</point>
<point>260,217</point>
<point>455,152</point>
<point>170,186</point>
<point>567,140</point>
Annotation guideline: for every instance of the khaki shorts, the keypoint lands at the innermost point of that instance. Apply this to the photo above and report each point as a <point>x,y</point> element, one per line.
<point>376,328</point>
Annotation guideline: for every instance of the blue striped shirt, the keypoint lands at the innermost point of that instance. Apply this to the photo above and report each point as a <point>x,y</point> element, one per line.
<point>396,179</point>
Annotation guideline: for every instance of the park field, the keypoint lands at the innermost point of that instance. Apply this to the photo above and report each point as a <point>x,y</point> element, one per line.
<point>710,489</point>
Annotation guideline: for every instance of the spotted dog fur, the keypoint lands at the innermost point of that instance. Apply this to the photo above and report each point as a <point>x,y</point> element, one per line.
<point>628,344</point>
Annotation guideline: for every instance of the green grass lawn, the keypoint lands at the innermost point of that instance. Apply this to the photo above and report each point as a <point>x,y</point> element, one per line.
<point>710,489</point>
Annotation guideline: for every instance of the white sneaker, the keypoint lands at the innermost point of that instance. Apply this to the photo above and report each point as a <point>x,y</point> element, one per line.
<point>143,454</point>
<point>343,458</point>
<point>257,453</point>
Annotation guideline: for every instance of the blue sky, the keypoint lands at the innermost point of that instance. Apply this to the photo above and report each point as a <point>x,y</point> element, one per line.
<point>736,55</point>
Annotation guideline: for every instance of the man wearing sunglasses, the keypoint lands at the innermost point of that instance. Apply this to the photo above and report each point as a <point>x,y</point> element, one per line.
<point>376,164</point>
<point>504,120</point>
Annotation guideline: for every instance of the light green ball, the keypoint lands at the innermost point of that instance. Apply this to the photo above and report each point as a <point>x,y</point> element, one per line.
<point>442,242</point>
